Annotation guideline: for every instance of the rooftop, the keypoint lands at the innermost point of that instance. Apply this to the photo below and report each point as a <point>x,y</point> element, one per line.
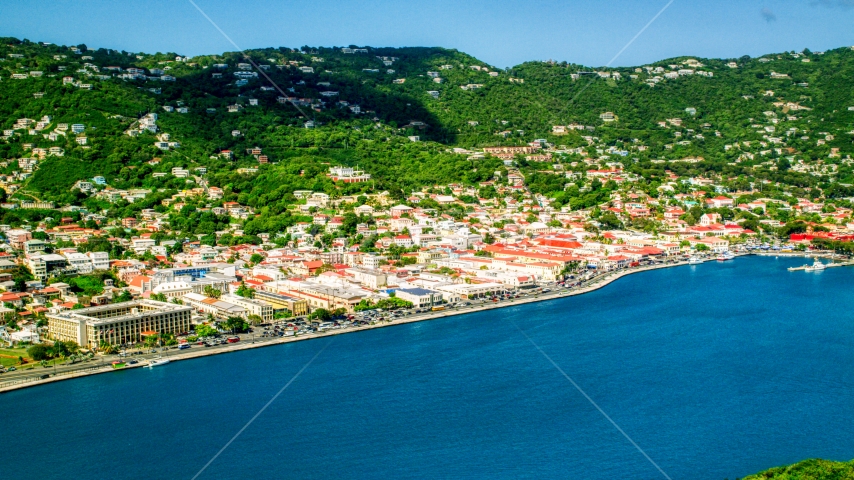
<point>119,312</point>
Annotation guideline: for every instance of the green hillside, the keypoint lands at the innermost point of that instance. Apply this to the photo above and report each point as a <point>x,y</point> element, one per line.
<point>777,110</point>
<point>814,469</point>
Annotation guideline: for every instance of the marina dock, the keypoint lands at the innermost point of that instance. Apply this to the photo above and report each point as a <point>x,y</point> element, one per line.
<point>826,265</point>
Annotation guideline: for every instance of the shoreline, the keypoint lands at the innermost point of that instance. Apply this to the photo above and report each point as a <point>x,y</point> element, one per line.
<point>179,355</point>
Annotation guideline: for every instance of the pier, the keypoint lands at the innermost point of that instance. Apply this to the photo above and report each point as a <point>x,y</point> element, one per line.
<point>826,265</point>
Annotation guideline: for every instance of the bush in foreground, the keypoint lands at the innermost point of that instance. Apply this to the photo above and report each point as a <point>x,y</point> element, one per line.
<point>812,469</point>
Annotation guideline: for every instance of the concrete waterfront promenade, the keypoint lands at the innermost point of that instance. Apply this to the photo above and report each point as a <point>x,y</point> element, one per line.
<point>33,377</point>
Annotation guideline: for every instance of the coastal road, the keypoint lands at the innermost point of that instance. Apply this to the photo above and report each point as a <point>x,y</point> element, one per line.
<point>26,378</point>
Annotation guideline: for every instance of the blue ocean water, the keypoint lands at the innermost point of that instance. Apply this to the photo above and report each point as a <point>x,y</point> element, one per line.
<point>716,371</point>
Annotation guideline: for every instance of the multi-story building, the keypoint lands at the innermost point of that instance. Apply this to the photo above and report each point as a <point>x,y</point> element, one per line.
<point>100,260</point>
<point>252,306</point>
<point>141,245</point>
<point>17,237</point>
<point>348,175</point>
<point>79,262</point>
<point>373,261</point>
<point>328,297</point>
<point>372,279</point>
<point>42,266</point>
<point>118,323</point>
<point>33,247</point>
<point>297,306</point>
<point>216,276</point>
<point>175,289</point>
<point>213,306</point>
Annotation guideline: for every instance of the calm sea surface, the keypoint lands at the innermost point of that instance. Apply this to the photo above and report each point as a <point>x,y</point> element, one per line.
<point>716,371</point>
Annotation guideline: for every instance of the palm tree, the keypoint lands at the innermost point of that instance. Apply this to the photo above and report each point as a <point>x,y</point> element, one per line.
<point>212,292</point>
<point>107,347</point>
<point>151,341</point>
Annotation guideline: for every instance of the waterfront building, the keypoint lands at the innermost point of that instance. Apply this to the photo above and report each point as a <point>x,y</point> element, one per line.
<point>469,291</point>
<point>328,297</point>
<point>419,297</point>
<point>118,323</point>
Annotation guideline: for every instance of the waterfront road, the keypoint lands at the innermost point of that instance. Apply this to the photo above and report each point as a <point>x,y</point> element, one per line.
<point>102,363</point>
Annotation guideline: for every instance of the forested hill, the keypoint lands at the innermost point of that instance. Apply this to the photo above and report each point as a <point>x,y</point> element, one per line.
<point>312,107</point>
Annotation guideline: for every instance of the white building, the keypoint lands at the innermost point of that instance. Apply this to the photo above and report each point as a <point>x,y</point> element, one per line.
<point>475,290</point>
<point>252,306</point>
<point>373,261</point>
<point>79,262</point>
<point>368,278</point>
<point>419,297</point>
<point>217,308</point>
<point>26,334</point>
<point>100,260</point>
<point>141,245</point>
<point>173,289</point>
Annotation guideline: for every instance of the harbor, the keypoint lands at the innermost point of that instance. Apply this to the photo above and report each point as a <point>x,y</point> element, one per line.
<point>682,381</point>
<point>24,379</point>
<point>18,380</point>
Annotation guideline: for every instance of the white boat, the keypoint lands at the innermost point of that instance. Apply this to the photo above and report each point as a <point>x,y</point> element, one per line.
<point>156,362</point>
<point>817,266</point>
<point>726,256</point>
<point>695,261</point>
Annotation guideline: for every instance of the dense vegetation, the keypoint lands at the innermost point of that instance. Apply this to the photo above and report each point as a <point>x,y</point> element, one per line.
<point>814,469</point>
<point>510,107</point>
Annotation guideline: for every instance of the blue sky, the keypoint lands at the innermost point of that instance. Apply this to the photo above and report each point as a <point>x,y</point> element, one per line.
<point>500,32</point>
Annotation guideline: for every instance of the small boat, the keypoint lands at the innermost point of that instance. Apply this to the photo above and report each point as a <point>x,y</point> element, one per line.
<point>725,256</point>
<point>817,266</point>
<point>695,261</point>
<point>156,362</point>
